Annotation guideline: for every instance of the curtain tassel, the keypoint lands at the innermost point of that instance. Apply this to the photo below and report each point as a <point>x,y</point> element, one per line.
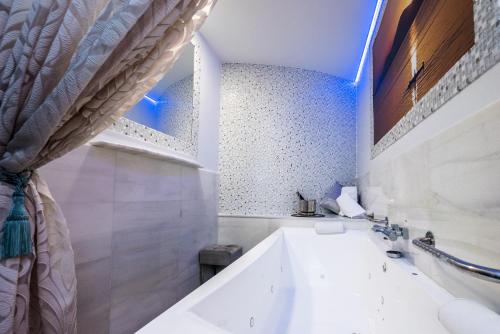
<point>16,236</point>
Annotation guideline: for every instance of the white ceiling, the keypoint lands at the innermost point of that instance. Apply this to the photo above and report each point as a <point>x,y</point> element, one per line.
<point>322,35</point>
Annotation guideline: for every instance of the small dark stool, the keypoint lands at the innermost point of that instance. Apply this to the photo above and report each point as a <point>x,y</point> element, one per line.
<point>214,258</point>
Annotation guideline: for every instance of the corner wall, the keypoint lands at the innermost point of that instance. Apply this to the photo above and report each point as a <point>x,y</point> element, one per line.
<point>210,87</point>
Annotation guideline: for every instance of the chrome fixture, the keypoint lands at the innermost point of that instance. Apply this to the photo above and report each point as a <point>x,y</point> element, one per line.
<point>393,232</point>
<point>371,217</point>
<point>378,228</point>
<point>428,242</point>
<point>394,254</point>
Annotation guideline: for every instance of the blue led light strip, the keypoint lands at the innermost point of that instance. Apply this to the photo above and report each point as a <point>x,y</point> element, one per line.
<point>151,99</point>
<point>368,39</point>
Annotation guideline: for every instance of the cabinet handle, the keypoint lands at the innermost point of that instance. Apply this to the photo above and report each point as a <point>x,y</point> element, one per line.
<point>413,80</point>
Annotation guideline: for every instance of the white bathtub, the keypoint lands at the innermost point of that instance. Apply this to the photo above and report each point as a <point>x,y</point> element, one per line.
<point>296,281</point>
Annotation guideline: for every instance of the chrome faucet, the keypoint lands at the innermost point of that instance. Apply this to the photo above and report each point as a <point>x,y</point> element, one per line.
<point>392,232</point>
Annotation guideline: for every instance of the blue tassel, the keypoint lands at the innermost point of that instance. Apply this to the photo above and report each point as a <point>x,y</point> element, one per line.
<point>16,238</point>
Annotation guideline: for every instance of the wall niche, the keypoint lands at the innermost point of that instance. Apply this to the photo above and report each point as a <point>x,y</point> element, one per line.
<point>417,43</point>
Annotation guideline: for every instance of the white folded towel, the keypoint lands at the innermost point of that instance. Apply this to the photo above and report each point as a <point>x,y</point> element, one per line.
<point>349,207</point>
<point>462,316</point>
<point>329,227</point>
<point>351,191</point>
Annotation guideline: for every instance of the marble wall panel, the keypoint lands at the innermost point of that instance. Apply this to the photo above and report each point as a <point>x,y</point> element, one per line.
<point>450,185</point>
<point>136,227</point>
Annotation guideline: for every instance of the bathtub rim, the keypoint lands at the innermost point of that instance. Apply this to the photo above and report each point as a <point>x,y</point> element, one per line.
<point>185,305</point>
<point>182,308</point>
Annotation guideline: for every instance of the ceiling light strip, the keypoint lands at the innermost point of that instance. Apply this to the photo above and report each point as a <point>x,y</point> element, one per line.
<point>368,40</point>
<point>150,99</point>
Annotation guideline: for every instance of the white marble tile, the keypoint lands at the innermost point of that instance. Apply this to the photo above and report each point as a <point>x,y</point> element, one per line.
<point>83,175</point>
<point>186,285</point>
<point>138,253</point>
<point>139,179</point>
<point>87,219</point>
<point>90,229</point>
<point>133,306</point>
<point>198,184</point>
<point>143,214</point>
<point>93,296</point>
<point>199,207</point>
<point>136,232</point>
<point>450,185</point>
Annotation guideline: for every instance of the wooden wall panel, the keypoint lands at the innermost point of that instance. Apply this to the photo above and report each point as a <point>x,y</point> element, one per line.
<point>450,34</point>
<point>442,31</point>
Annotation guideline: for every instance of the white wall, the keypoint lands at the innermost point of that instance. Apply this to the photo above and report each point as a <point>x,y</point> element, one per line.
<point>208,135</point>
<point>364,118</point>
<point>441,176</point>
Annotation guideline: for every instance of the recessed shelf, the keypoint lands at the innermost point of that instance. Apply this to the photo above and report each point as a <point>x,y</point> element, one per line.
<point>117,141</point>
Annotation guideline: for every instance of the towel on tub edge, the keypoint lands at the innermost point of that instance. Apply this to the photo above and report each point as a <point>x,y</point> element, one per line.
<point>351,191</point>
<point>329,227</point>
<point>349,207</point>
<point>462,316</point>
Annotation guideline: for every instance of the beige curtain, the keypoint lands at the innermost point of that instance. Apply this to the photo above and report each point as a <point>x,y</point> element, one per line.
<point>68,68</point>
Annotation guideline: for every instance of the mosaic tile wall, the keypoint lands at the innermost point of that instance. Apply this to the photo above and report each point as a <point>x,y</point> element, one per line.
<point>172,114</point>
<point>186,144</point>
<point>481,57</point>
<point>176,114</point>
<point>282,130</point>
